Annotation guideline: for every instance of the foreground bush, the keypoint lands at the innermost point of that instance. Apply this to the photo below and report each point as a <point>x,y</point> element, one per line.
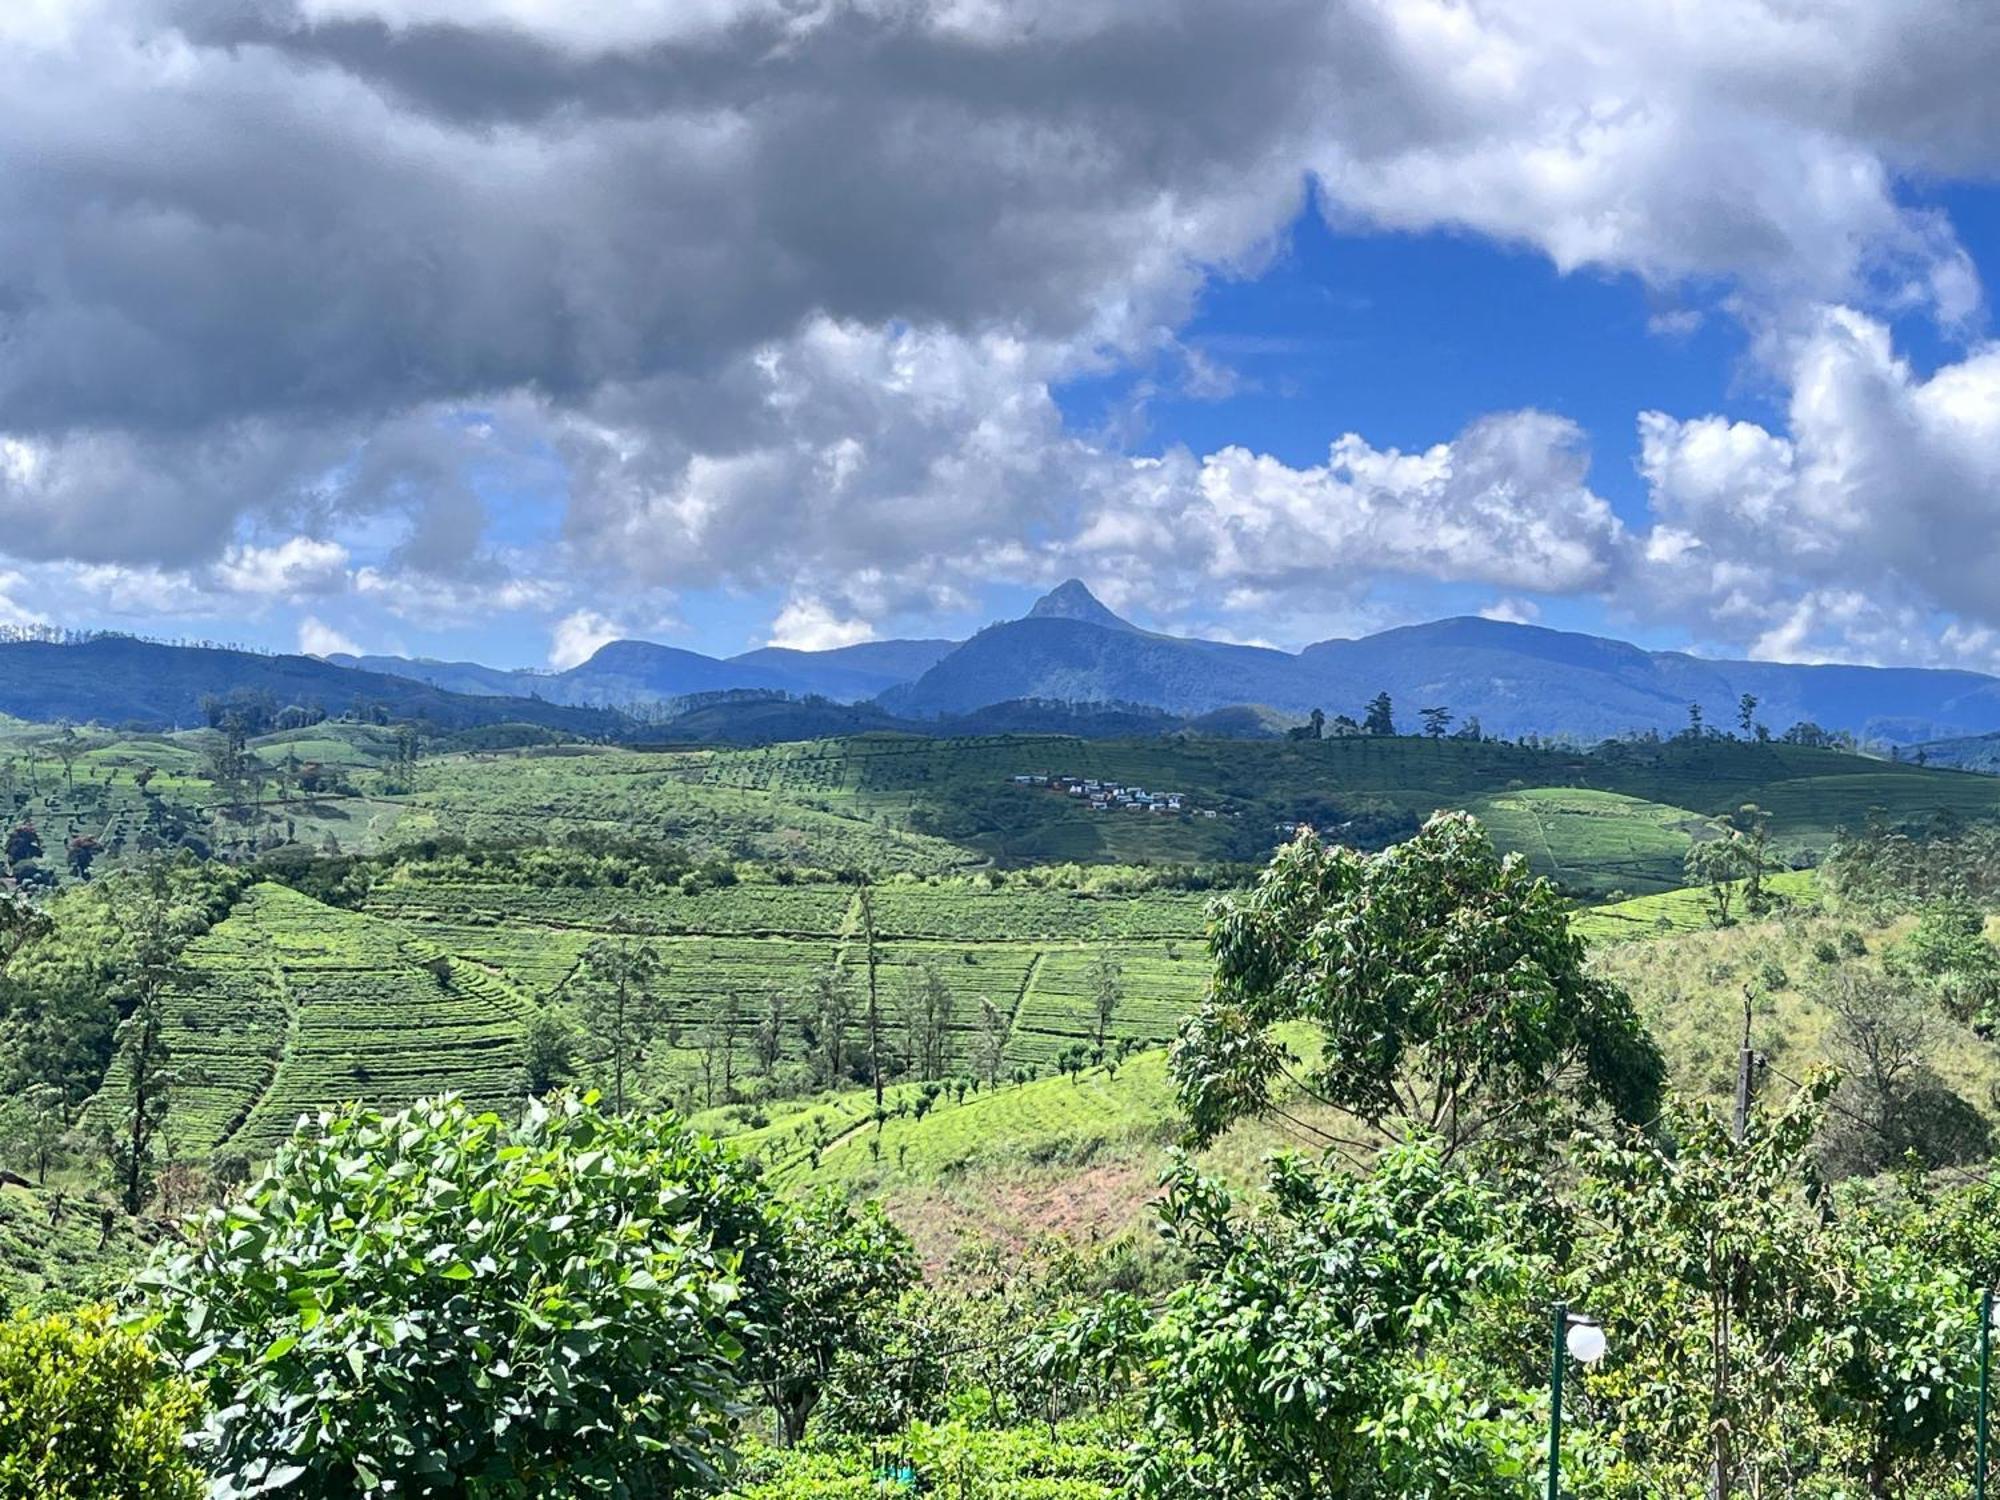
<point>439,1303</point>
<point>89,1412</point>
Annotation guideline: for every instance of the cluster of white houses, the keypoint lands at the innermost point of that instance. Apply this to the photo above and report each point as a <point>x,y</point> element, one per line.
<point>1104,796</point>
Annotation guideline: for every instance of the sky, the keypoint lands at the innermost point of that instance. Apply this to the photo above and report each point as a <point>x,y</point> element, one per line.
<point>498,329</point>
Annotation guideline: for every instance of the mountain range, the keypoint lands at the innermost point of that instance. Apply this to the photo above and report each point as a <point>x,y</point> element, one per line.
<point>1069,649</point>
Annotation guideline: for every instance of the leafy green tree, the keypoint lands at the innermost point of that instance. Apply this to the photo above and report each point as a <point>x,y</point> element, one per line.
<point>1437,722</point>
<point>1746,715</point>
<point>89,1411</point>
<point>438,1303</point>
<point>1710,1265</point>
<point>1445,983</point>
<point>20,924</point>
<point>830,1004</point>
<point>23,845</point>
<point>620,1005</point>
<point>549,1047</point>
<point>1321,1348</point>
<point>1381,716</point>
<point>1716,865</point>
<point>1949,958</point>
<point>33,1126</point>
<point>841,1270</point>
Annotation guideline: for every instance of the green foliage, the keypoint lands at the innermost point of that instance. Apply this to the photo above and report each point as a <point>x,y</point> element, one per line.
<point>89,1411</point>
<point>842,1270</point>
<point>436,1303</point>
<point>1949,958</point>
<point>1446,983</point>
<point>1318,1349</point>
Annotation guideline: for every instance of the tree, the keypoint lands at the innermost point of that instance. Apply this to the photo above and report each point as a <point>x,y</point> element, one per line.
<point>1107,993</point>
<point>994,1024</point>
<point>549,1046</point>
<point>1381,718</point>
<point>1746,715</point>
<point>929,1007</point>
<point>1316,721</point>
<point>1708,1263</point>
<point>832,1008</point>
<point>357,1330</point>
<point>83,851</point>
<point>619,1004</point>
<point>20,925</point>
<point>1716,864</point>
<point>33,1124</point>
<point>841,1270</point>
<point>1470,730</point>
<point>68,748</point>
<point>1445,984</point>
<point>1891,1104</point>
<point>140,1093</point>
<point>1321,1349</point>
<point>23,844</point>
<point>90,1411</point>
<point>1753,852</point>
<point>1436,722</point>
<point>771,1033</point>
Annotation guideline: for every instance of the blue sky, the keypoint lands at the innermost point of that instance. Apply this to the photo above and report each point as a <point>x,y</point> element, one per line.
<point>1272,322</point>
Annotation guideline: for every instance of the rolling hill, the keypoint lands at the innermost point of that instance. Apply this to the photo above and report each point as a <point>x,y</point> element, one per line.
<point>121,680</point>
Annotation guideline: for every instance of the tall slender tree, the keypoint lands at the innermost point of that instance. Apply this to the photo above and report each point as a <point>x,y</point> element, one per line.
<point>620,1001</point>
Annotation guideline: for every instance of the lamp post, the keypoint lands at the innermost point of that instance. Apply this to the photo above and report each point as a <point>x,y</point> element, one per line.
<point>1574,1336</point>
<point>1985,1367</point>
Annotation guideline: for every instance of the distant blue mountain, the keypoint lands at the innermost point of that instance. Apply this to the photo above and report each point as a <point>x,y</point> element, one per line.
<point>1516,679</point>
<point>1069,649</point>
<point>637,674</point>
<point>119,680</point>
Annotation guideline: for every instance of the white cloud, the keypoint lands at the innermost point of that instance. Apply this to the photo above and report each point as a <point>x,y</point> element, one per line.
<point>593,258</point>
<point>298,566</point>
<point>12,613</point>
<point>1860,530</point>
<point>1512,611</point>
<point>317,638</point>
<point>812,625</point>
<point>578,636</point>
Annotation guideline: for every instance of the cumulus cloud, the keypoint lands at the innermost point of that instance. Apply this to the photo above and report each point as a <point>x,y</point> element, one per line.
<point>812,625</point>
<point>579,635</point>
<point>777,296</point>
<point>1874,513</point>
<point>1506,502</point>
<point>317,638</point>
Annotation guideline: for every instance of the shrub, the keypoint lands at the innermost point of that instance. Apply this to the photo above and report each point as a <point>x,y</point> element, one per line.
<point>437,1303</point>
<point>88,1411</point>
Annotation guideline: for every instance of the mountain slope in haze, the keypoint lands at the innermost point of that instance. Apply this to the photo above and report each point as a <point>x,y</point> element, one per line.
<point>636,673</point>
<point>848,673</point>
<point>1516,679</point>
<point>119,680</point>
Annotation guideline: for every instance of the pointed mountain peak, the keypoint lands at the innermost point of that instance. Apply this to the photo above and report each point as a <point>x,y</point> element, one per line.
<point>1070,600</point>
